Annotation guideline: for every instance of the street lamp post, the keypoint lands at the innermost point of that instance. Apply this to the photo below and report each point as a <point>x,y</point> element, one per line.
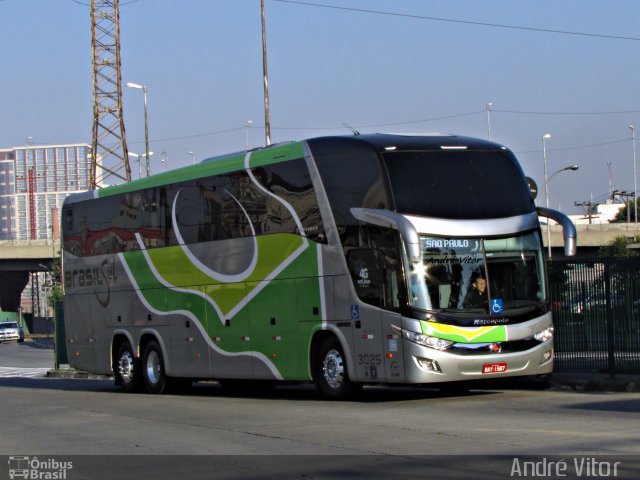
<point>569,167</point>
<point>146,124</point>
<point>488,108</point>
<point>193,158</point>
<point>545,137</point>
<point>21,318</point>
<point>635,184</point>
<point>139,157</point>
<point>547,179</point>
<point>139,165</point>
<point>247,124</point>
<point>165,160</point>
<point>265,76</point>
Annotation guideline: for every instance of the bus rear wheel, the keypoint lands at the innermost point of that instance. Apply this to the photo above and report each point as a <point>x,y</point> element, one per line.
<point>126,369</point>
<point>331,374</point>
<point>153,374</point>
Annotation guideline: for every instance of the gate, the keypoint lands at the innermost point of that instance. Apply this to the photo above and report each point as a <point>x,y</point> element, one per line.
<point>596,308</point>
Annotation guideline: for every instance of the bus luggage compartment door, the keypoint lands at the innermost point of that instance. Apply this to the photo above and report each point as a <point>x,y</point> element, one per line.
<point>368,346</point>
<point>79,328</point>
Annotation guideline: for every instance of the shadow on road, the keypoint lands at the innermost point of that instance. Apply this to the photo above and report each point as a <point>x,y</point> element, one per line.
<point>631,405</point>
<point>293,392</point>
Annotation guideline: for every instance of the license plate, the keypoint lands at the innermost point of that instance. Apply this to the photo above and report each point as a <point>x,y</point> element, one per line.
<point>494,367</point>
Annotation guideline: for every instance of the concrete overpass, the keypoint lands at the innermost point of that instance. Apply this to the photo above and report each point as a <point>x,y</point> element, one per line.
<point>591,237</point>
<point>18,258</point>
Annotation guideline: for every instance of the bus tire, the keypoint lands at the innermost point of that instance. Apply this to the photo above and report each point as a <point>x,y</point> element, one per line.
<point>331,374</point>
<point>126,369</point>
<point>155,380</point>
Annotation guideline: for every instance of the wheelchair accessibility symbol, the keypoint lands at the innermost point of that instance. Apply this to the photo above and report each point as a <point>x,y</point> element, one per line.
<point>355,312</point>
<point>497,306</point>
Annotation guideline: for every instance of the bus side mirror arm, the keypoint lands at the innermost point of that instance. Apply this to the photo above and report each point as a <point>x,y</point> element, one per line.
<point>568,229</point>
<point>386,218</point>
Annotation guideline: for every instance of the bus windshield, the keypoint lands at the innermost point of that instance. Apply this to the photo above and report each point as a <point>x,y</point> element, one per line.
<point>491,276</point>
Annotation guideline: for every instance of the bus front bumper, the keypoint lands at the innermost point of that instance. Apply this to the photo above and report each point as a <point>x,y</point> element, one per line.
<point>426,365</point>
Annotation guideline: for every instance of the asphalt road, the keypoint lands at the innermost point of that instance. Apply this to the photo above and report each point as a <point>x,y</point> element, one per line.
<point>28,354</point>
<point>45,416</point>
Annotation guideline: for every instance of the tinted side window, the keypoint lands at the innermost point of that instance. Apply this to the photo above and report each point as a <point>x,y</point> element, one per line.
<point>291,182</point>
<point>189,212</point>
<point>458,184</point>
<point>218,208</point>
<point>352,179</point>
<point>109,225</point>
<point>208,209</point>
<point>375,266</point>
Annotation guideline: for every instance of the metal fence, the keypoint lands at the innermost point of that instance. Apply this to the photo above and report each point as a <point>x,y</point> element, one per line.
<point>596,308</point>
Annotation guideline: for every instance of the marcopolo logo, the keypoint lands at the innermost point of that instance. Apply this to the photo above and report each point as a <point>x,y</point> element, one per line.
<point>38,469</point>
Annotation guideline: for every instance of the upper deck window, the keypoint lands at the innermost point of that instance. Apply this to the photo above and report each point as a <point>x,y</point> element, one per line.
<point>352,176</point>
<point>458,184</point>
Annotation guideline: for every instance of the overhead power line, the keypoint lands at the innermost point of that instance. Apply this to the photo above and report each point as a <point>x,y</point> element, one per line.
<point>464,22</point>
<point>424,120</point>
<point>579,147</point>
<point>195,135</point>
<point>407,122</point>
<point>89,5</point>
<point>524,112</point>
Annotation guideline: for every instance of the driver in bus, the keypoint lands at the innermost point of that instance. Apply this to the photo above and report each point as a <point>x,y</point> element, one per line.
<point>477,296</point>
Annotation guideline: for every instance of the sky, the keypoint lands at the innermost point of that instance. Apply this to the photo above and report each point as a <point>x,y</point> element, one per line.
<point>570,68</point>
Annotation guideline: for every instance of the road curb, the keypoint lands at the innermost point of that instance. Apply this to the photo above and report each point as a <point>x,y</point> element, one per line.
<point>558,382</point>
<point>595,383</point>
<point>76,374</point>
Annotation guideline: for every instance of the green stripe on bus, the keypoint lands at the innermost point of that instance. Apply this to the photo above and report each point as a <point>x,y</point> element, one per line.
<point>273,250</point>
<point>210,167</point>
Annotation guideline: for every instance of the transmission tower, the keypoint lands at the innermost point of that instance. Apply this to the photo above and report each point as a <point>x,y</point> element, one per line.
<point>110,159</point>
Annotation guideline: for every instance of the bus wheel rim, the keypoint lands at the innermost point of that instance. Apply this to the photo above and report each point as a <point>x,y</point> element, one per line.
<point>125,367</point>
<point>333,368</point>
<point>153,367</point>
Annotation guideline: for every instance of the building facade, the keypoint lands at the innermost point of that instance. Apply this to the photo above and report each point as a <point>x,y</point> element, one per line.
<point>34,180</point>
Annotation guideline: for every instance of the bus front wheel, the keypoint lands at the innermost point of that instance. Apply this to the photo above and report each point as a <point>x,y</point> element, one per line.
<point>331,375</point>
<point>153,374</point>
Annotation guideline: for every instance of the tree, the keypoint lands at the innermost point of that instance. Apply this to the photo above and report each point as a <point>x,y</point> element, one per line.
<point>621,216</point>
<point>55,295</point>
<point>618,248</point>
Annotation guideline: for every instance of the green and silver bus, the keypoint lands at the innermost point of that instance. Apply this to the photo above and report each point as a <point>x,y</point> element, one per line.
<point>368,259</point>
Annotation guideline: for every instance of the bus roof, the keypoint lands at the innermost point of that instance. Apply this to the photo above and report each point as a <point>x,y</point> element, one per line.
<point>289,150</point>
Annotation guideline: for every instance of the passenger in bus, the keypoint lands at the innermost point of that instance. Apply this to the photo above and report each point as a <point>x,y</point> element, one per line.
<point>477,296</point>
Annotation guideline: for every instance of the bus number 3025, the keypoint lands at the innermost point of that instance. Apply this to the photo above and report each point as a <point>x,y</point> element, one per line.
<point>370,359</point>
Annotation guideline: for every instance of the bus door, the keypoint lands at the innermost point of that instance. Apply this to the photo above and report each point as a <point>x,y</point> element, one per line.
<point>378,347</point>
<point>367,274</point>
<point>367,339</point>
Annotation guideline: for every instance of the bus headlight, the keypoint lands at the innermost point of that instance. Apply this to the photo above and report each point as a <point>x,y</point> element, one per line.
<point>544,335</point>
<point>426,340</point>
